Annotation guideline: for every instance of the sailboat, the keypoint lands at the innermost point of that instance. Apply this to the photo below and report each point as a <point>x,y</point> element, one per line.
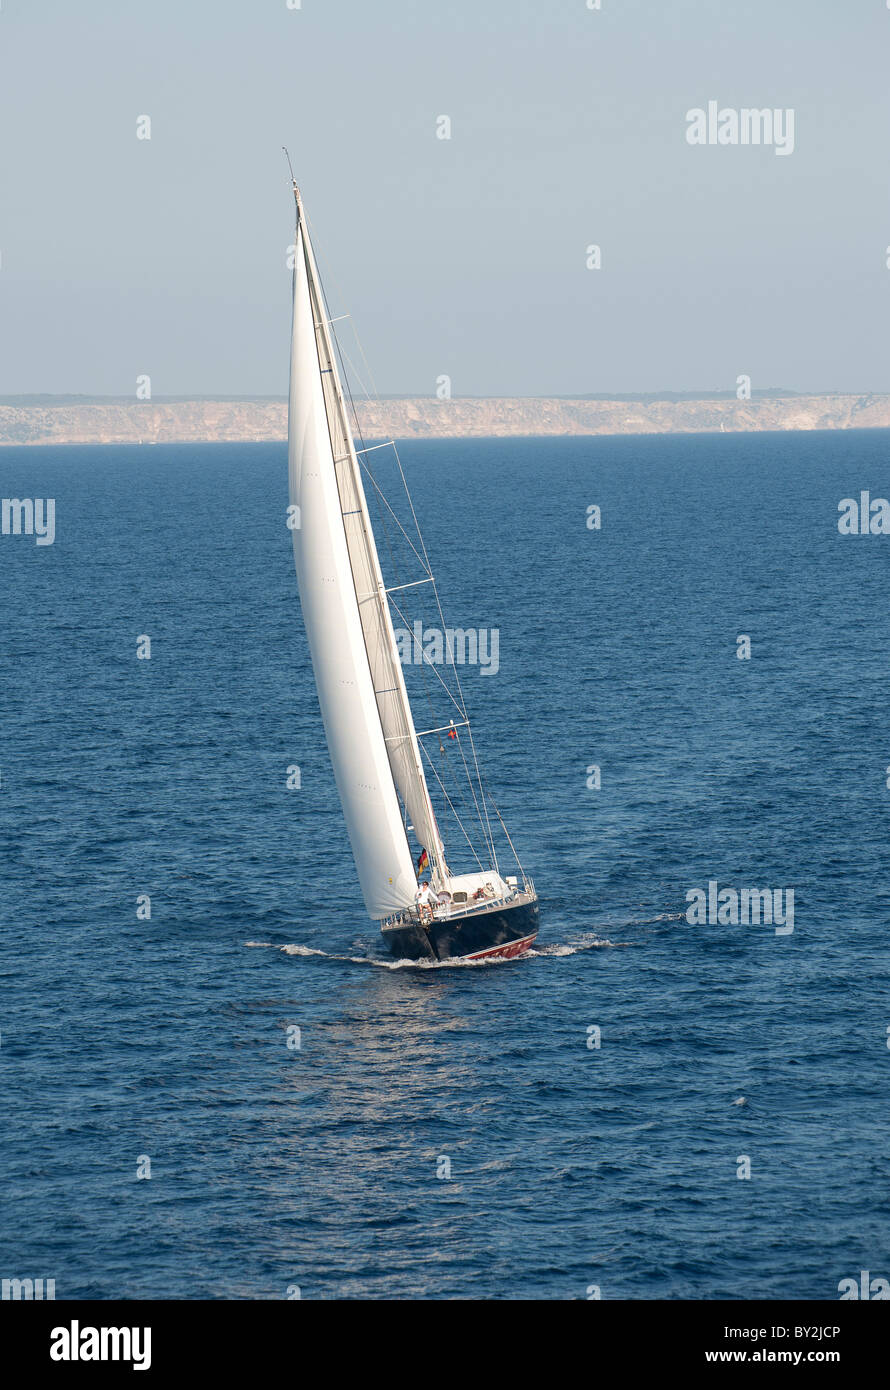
<point>380,760</point>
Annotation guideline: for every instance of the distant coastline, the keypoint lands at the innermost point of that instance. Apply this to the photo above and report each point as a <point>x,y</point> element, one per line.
<point>85,420</point>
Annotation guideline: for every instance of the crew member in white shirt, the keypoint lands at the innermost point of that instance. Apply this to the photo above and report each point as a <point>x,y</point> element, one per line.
<point>424,900</point>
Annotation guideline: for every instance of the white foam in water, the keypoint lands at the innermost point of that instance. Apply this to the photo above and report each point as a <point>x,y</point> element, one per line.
<point>382,964</point>
<point>549,951</point>
<point>566,948</point>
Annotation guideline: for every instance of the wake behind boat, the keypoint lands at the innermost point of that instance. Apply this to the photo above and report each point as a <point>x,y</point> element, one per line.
<point>380,761</point>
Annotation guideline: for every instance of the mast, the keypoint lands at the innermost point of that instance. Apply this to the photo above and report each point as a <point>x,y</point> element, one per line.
<point>366,591</point>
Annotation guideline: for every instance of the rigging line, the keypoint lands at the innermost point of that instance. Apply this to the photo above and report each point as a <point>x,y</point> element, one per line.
<point>397,569</point>
<point>380,514</point>
<point>334,281</point>
<point>482,789</point>
<point>484,824</point>
<point>429,578</point>
<point>423,665</point>
<point>410,503</point>
<point>487,837</point>
<point>383,654</point>
<point>451,662</point>
<point>375,484</point>
<point>425,562</point>
<point>396,566</point>
<point>507,833</point>
<point>382,645</point>
<point>489,841</point>
<point>476,765</point>
<point>427,663</point>
<point>312,288</point>
<point>347,366</point>
<point>451,656</point>
<point>356,373</point>
<point>344,359</point>
<point>454,812</point>
<point>432,667</point>
<point>403,717</point>
<point>381,498</point>
<point>459,705</point>
<point>343,356</point>
<point>462,706</point>
<point>458,791</point>
<point>426,559</point>
<point>379,491</point>
<point>427,690</point>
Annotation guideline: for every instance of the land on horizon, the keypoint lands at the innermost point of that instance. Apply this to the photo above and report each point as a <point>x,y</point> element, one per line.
<point>50,419</point>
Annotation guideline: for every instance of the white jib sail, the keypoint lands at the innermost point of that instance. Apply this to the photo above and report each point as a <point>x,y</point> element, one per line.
<point>334,629</point>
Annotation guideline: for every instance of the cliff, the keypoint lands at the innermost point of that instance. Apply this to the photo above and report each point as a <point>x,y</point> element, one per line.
<point>165,421</point>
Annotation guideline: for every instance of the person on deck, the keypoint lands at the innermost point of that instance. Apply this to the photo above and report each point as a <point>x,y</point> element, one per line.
<point>424,900</point>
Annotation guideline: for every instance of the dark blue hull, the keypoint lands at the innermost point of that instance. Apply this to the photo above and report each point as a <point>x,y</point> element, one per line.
<point>498,931</point>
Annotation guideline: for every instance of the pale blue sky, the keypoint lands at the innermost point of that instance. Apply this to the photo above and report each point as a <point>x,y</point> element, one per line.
<point>464,257</point>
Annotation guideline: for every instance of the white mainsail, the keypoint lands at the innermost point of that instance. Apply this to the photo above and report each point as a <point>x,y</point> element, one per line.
<point>361,687</point>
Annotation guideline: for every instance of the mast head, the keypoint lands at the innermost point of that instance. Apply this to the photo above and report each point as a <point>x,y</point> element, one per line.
<point>298,200</point>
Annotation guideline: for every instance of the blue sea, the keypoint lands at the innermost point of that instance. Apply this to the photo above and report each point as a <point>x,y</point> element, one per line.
<point>577,1122</point>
